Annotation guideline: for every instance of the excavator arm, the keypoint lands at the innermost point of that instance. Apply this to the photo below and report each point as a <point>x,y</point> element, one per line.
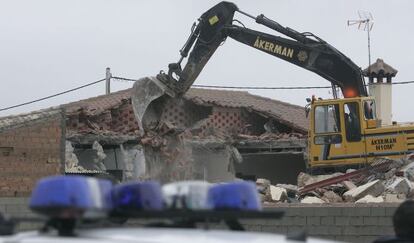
<point>214,26</point>
<point>304,50</point>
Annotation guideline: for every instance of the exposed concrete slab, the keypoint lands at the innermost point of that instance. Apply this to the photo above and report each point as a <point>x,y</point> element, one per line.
<point>373,188</point>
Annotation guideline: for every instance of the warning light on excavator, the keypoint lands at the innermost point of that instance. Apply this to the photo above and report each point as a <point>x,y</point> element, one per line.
<point>350,93</point>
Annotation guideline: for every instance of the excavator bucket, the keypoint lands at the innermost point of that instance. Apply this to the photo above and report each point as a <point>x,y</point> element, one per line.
<point>148,95</point>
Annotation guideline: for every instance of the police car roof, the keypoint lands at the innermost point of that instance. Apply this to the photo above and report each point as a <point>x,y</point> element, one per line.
<point>153,235</point>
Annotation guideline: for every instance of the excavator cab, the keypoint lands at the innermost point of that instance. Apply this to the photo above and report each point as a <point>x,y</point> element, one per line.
<point>337,135</point>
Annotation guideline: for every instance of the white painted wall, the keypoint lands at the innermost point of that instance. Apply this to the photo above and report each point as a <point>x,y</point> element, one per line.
<point>382,92</point>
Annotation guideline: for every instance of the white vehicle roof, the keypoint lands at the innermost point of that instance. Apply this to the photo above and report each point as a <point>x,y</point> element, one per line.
<point>152,235</point>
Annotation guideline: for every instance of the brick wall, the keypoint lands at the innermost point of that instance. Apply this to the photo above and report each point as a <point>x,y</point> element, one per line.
<point>29,152</point>
<point>119,119</point>
<point>342,222</point>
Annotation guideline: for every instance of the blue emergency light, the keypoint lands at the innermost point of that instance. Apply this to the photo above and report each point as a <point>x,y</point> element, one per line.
<point>145,196</point>
<point>71,196</point>
<point>240,195</point>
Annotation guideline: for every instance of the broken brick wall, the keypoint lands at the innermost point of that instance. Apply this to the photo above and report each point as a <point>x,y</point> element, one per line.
<point>184,114</point>
<point>203,119</point>
<point>28,153</point>
<point>225,119</point>
<point>118,119</point>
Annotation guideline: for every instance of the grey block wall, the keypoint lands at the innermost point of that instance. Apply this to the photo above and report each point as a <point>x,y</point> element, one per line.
<point>18,207</point>
<point>343,222</point>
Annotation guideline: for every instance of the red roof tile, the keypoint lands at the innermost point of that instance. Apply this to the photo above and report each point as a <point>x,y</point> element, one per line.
<point>286,113</point>
<point>96,105</point>
<point>290,114</point>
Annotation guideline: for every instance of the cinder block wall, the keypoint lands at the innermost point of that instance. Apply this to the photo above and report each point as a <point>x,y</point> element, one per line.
<point>28,153</point>
<point>342,222</point>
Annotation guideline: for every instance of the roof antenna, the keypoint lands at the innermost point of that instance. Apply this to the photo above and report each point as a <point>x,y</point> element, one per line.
<point>365,23</point>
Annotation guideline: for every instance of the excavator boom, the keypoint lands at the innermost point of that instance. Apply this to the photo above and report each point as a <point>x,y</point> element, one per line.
<point>214,26</point>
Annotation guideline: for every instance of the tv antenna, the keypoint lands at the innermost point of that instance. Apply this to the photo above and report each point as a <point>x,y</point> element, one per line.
<point>365,23</point>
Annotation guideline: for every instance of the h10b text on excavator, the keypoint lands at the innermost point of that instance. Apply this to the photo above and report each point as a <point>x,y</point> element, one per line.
<point>343,131</point>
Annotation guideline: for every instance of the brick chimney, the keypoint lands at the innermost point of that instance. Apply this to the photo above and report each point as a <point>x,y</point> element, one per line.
<point>380,77</point>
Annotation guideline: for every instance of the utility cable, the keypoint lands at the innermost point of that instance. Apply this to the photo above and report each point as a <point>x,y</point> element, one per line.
<point>196,85</point>
<point>257,87</point>
<point>51,96</point>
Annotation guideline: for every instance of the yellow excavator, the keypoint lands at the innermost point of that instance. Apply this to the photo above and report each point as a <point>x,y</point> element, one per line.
<point>342,132</point>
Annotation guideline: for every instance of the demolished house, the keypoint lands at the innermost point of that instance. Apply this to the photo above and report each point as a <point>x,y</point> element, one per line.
<point>227,133</point>
<point>220,129</point>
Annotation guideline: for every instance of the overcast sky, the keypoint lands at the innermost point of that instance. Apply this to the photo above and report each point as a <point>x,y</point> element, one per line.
<point>48,46</point>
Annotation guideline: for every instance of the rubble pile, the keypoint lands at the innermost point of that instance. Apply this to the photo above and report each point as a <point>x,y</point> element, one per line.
<point>392,181</point>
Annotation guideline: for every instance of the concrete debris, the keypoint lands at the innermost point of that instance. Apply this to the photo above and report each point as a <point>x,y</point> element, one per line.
<point>134,160</point>
<point>310,200</point>
<point>303,178</point>
<point>408,171</point>
<point>291,190</point>
<point>349,185</point>
<point>394,198</point>
<point>263,187</point>
<point>370,199</point>
<point>391,184</point>
<point>331,197</point>
<point>235,154</point>
<point>71,160</point>
<point>389,174</point>
<point>373,188</point>
<point>306,179</point>
<point>410,194</point>
<point>100,156</point>
<point>262,182</point>
<point>399,185</point>
<point>278,194</point>
<point>350,170</point>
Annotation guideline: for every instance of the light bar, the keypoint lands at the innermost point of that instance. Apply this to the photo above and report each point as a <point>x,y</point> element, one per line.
<point>71,197</point>
<point>187,195</point>
<point>137,196</point>
<point>240,195</point>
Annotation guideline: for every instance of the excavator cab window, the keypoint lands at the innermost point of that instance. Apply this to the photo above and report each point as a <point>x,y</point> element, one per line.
<point>327,124</point>
<point>369,110</point>
<point>327,119</point>
<point>352,122</point>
